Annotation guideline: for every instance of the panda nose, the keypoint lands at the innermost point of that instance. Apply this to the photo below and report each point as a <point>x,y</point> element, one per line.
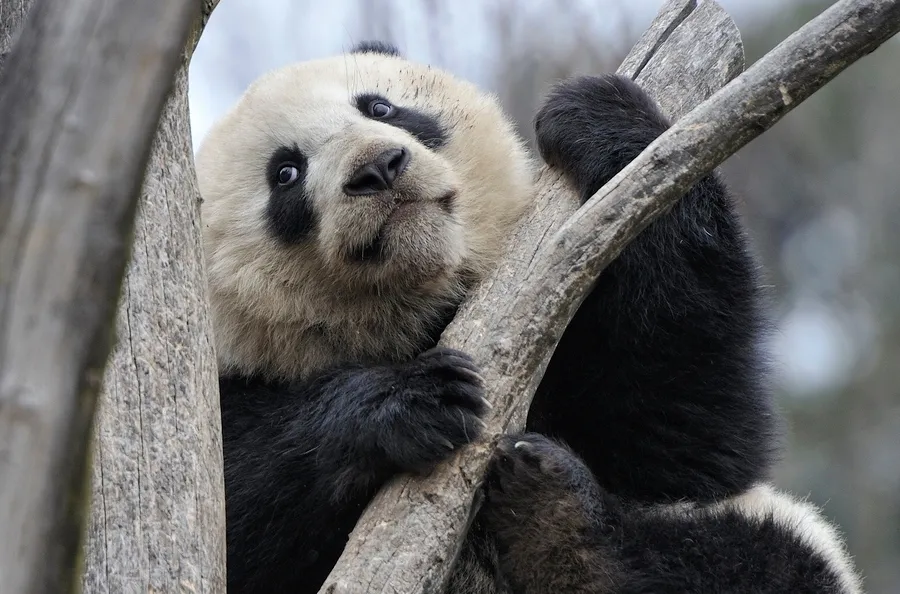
<point>378,174</point>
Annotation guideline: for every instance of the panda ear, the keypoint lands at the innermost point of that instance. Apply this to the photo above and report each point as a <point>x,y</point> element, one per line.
<point>376,47</point>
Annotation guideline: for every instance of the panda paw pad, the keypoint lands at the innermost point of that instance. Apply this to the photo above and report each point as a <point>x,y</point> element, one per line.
<point>536,486</point>
<point>528,462</point>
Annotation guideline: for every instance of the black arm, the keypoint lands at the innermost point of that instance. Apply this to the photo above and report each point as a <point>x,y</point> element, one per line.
<point>303,460</point>
<point>659,382</point>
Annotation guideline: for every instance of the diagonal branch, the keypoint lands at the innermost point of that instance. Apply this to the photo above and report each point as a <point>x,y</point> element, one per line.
<point>513,323</point>
<point>80,96</point>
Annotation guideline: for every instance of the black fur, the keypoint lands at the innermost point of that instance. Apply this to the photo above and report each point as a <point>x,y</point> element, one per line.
<point>658,385</point>
<point>375,47</point>
<point>302,460</point>
<point>290,213</point>
<point>659,381</point>
<point>425,127</point>
<point>569,535</point>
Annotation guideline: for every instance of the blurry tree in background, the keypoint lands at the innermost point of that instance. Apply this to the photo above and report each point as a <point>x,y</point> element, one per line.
<point>821,192</point>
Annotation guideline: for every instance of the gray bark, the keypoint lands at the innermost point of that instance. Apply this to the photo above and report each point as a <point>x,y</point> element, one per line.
<point>12,15</point>
<point>80,96</point>
<point>511,325</point>
<point>407,534</point>
<point>157,510</point>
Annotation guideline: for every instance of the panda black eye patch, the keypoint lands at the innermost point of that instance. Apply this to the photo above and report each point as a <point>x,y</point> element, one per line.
<point>290,215</point>
<point>425,127</point>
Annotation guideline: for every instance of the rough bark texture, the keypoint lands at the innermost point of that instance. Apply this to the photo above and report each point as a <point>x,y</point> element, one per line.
<point>157,510</point>
<point>80,96</point>
<point>414,525</point>
<point>12,15</point>
<point>515,320</point>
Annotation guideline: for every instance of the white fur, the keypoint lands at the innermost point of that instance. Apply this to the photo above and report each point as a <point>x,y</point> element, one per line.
<point>798,517</point>
<point>289,310</point>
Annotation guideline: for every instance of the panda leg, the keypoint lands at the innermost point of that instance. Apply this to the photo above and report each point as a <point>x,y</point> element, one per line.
<point>541,507</point>
<point>761,542</point>
<point>557,530</point>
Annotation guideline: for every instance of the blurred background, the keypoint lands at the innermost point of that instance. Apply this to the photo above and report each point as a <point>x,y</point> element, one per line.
<point>819,191</point>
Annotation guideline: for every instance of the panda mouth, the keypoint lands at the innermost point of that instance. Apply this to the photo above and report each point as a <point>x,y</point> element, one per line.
<point>447,201</point>
<point>375,250</point>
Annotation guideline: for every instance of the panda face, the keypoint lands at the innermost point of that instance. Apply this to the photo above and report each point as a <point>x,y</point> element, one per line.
<point>359,181</point>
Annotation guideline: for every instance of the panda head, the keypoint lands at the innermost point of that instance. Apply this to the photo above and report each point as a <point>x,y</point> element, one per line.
<point>347,202</point>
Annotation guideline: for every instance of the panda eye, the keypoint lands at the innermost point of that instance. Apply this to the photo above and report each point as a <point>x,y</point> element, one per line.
<point>379,108</point>
<point>288,173</point>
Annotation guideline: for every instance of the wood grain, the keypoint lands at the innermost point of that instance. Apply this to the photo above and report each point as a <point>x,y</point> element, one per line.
<point>157,519</point>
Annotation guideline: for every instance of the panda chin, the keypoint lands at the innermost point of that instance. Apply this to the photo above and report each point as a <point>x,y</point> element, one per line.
<point>377,250</point>
<point>372,252</point>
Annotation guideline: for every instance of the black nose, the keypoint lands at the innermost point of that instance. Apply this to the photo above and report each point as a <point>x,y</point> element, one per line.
<point>379,174</point>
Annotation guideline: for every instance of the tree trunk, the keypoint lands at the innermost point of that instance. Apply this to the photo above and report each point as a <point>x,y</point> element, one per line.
<point>158,504</point>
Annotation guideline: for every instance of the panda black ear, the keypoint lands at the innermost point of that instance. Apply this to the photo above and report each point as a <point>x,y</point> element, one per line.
<point>376,47</point>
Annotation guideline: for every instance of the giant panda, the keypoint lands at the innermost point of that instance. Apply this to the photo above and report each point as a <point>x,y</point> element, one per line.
<point>349,204</point>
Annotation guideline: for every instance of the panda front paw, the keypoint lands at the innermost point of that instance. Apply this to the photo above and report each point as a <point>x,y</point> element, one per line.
<point>537,486</point>
<point>434,407</point>
<point>591,127</point>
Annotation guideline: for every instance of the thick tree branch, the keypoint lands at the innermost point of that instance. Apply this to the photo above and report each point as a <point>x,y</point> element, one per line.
<point>513,323</point>
<point>80,97</point>
<point>157,508</point>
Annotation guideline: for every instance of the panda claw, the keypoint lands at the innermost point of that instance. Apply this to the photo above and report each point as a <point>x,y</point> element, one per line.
<point>472,376</point>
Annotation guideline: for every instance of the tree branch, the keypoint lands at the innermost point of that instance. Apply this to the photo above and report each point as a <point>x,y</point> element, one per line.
<point>512,324</point>
<point>157,519</point>
<point>80,96</point>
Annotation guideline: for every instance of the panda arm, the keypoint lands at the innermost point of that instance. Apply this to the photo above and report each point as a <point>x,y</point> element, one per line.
<point>303,459</point>
<point>658,382</point>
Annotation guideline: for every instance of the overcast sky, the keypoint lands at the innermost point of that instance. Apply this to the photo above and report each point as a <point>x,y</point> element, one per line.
<point>245,38</point>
